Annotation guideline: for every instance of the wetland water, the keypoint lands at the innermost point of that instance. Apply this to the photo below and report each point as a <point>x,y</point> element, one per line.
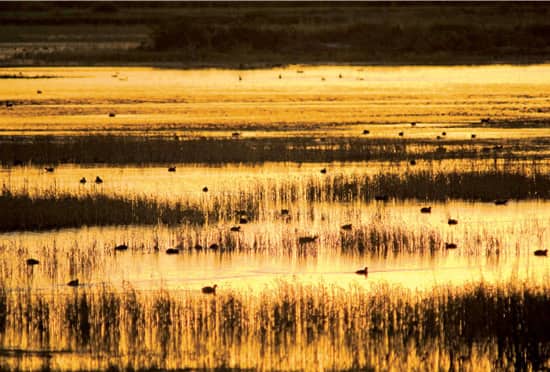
<point>280,303</point>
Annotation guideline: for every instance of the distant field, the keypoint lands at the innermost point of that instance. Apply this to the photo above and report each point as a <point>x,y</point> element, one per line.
<point>259,34</point>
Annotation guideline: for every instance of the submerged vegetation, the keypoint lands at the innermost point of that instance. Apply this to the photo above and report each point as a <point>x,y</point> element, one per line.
<point>497,326</point>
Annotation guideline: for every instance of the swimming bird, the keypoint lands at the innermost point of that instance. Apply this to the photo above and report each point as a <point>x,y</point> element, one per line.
<point>284,212</point>
<point>171,169</point>
<point>112,114</point>
<point>366,131</point>
<point>323,78</point>
<point>339,76</point>
<point>32,261</point>
<point>364,271</point>
<point>412,162</point>
<point>324,170</point>
<point>280,77</point>
<point>121,247</point>
<point>172,251</point>
<point>438,137</point>
<point>38,91</point>
<point>243,220</point>
<point>473,136</point>
<point>240,78</point>
<point>49,169</point>
<point>214,247</point>
<point>73,283</point>
<point>307,239</point>
<point>205,189</point>
<point>426,210</point>
<point>485,120</point>
<point>98,180</point>
<point>450,246</point>
<point>235,134</point>
<point>9,104</point>
<point>452,221</point>
<point>235,228</point>
<point>541,252</point>
<point>501,201</point>
<point>347,226</point>
<point>413,124</point>
<point>83,180</point>
<point>209,290</point>
<point>401,134</point>
<point>443,133</point>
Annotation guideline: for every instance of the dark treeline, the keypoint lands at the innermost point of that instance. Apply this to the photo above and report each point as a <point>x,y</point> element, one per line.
<point>278,33</point>
<point>103,149</point>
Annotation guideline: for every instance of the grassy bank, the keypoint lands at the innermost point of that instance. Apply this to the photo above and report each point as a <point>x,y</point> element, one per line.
<point>103,149</point>
<point>255,34</point>
<point>499,327</point>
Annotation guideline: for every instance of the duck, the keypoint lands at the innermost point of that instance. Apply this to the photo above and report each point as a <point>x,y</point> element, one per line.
<point>452,221</point>
<point>307,239</point>
<point>172,251</point>
<point>426,210</point>
<point>205,189</point>
<point>450,246</point>
<point>541,252</point>
<point>121,247</point>
<point>364,271</point>
<point>412,162</point>
<point>347,226</point>
<point>32,261</point>
<point>98,180</point>
<point>501,201</point>
<point>366,131</point>
<point>83,180</point>
<point>324,170</point>
<point>49,169</point>
<point>284,212</point>
<point>209,290</point>
<point>235,228</point>
<point>171,169</point>
<point>73,283</point>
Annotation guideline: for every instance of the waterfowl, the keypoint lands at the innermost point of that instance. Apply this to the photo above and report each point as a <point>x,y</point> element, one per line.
<point>485,120</point>
<point>73,283</point>
<point>323,78</point>
<point>452,221</point>
<point>49,169</point>
<point>240,78</point>
<point>214,247</point>
<point>438,137</point>
<point>198,247</point>
<point>205,189</point>
<point>280,77</point>
<point>501,201</point>
<point>83,180</point>
<point>171,169</point>
<point>172,251</point>
<point>381,197</point>
<point>450,246</point>
<point>235,134</point>
<point>426,210</point>
<point>412,162</point>
<point>32,261</point>
<point>236,228</point>
<point>38,91</point>
<point>339,76</point>
<point>401,134</point>
<point>473,136</point>
<point>541,252</point>
<point>112,114</point>
<point>209,290</point>
<point>366,131</point>
<point>413,124</point>
<point>347,226</point>
<point>284,212</point>
<point>307,239</point>
<point>98,180</point>
<point>121,247</point>
<point>243,220</point>
<point>443,133</point>
<point>9,104</point>
<point>324,170</point>
<point>364,271</point>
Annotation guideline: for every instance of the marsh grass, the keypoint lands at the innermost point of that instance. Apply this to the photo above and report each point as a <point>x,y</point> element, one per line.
<point>502,325</point>
<point>103,149</point>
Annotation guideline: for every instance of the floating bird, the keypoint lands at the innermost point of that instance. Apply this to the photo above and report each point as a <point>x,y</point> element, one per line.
<point>366,131</point>
<point>401,134</point>
<point>83,180</point>
<point>485,120</point>
<point>412,162</point>
<point>209,290</point>
<point>280,77</point>
<point>473,136</point>
<point>381,197</point>
<point>235,134</point>
<point>443,133</point>
<point>324,170</point>
<point>450,246</point>
<point>339,76</point>
<point>112,114</point>
<point>214,247</point>
<point>541,252</point>
<point>73,283</point>
<point>172,251</point>
<point>438,137</point>
<point>501,201</point>
<point>347,226</point>
<point>9,104</point>
<point>121,247</point>
<point>452,221</point>
<point>364,271</point>
<point>426,210</point>
<point>307,239</point>
<point>98,180</point>
<point>32,261</point>
<point>236,228</point>
<point>171,169</point>
<point>198,247</point>
<point>49,169</point>
<point>300,71</point>
<point>38,91</point>
<point>284,212</point>
<point>413,124</point>
<point>243,220</point>
<point>323,78</point>
<point>205,189</point>
<point>240,78</point>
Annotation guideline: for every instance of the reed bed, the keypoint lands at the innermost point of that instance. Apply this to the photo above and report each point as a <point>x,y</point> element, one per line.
<point>103,149</point>
<point>291,326</point>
